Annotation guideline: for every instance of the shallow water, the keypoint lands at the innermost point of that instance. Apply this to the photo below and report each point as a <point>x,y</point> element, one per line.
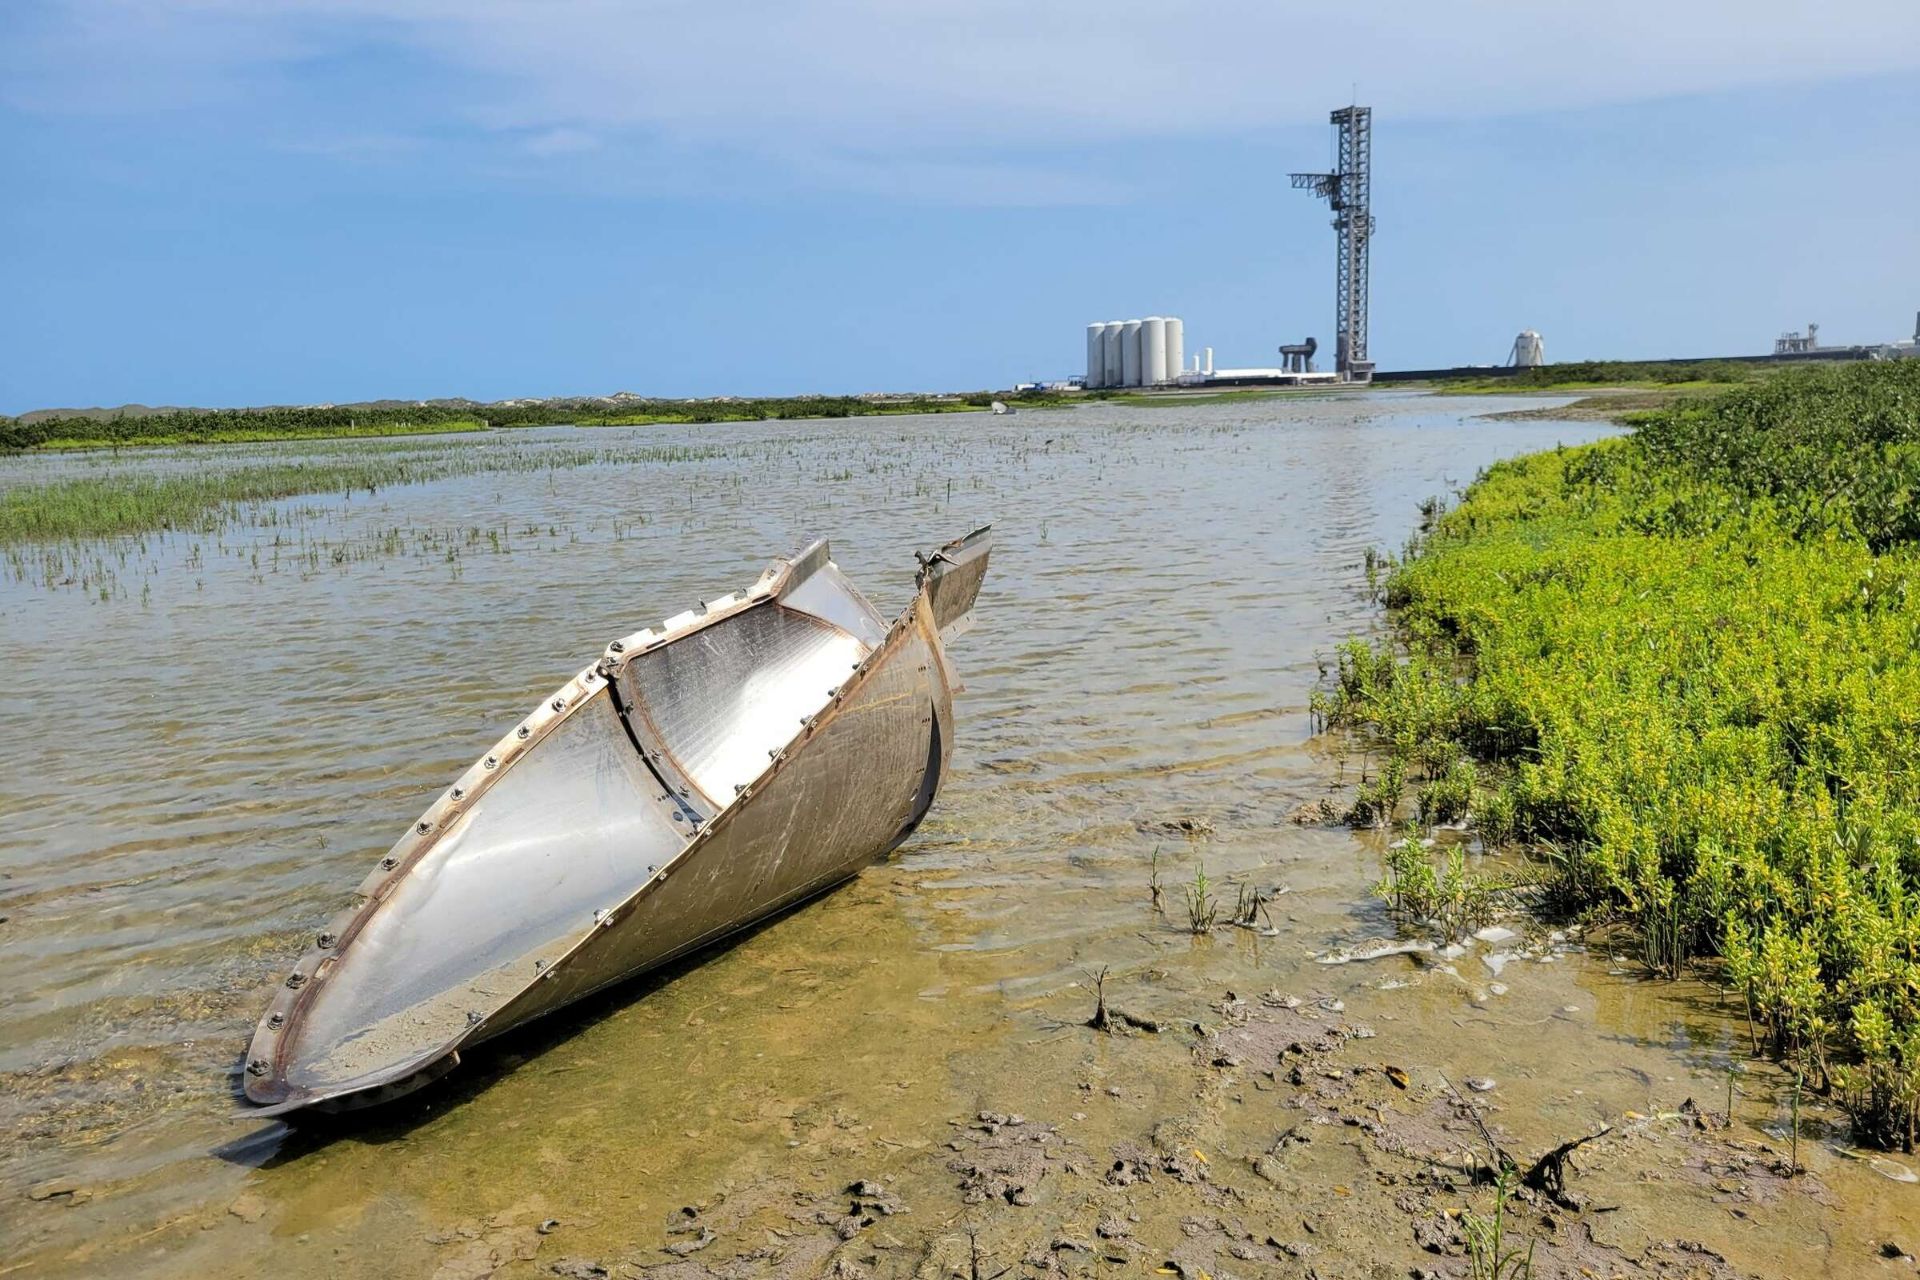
<point>214,736</point>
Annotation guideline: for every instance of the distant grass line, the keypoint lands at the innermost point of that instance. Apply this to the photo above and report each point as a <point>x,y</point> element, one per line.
<point>1587,375</point>
<point>244,426</point>
<point>363,431</point>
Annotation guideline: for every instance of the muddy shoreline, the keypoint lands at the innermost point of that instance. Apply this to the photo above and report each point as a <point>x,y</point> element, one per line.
<point>1303,1143</point>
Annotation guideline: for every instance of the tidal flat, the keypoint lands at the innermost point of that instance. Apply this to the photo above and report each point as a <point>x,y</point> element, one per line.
<point>219,728</point>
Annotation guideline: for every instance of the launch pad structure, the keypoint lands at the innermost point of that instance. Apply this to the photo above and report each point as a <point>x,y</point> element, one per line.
<point>1349,192</point>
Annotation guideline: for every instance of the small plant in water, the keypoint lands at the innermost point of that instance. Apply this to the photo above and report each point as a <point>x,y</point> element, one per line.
<point>1452,903</point>
<point>1489,1256</point>
<point>1202,910</point>
<point>1153,882</point>
<point>1411,889</point>
<point>1249,906</point>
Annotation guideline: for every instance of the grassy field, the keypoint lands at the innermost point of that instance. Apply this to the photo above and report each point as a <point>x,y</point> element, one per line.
<point>1684,667</point>
<point>239,426</point>
<point>126,501</point>
<point>74,437</point>
<point>1589,375</point>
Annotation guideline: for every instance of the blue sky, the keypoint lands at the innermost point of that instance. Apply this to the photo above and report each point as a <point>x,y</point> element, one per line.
<point>244,202</point>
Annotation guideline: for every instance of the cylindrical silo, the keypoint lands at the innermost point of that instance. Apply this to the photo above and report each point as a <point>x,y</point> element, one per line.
<point>1096,356</point>
<point>1153,350</point>
<point>1209,355</point>
<point>1111,338</point>
<point>1130,353</point>
<point>1176,347</point>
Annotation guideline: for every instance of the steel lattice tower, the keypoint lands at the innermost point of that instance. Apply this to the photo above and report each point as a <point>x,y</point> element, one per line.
<point>1349,190</point>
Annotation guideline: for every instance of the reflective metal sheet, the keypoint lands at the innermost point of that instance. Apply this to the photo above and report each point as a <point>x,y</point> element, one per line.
<point>577,853</point>
<point>723,699</point>
<point>515,880</point>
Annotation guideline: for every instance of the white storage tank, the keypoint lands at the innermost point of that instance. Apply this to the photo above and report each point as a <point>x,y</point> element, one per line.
<point>1176,347</point>
<point>1111,337</point>
<point>1130,353</point>
<point>1153,350</point>
<point>1096,356</point>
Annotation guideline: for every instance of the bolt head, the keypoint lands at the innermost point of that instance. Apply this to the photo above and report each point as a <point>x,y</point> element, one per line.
<point>276,1021</point>
<point>490,762</point>
<point>258,1067</point>
<point>388,864</point>
<point>326,940</point>
<point>295,981</point>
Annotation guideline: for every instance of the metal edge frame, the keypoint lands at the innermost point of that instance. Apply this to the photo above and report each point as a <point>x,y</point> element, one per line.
<point>266,1052</point>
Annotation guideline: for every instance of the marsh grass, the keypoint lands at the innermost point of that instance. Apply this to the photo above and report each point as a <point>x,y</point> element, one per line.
<point>133,497</point>
<point>1490,1255</point>
<point>329,422</point>
<point>1203,911</point>
<point>1436,891</point>
<point>1684,664</point>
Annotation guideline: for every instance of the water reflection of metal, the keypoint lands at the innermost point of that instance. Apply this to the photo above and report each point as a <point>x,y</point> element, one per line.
<point>695,779</point>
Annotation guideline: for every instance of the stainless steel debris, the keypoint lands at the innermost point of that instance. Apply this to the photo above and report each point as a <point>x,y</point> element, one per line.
<point>697,778</point>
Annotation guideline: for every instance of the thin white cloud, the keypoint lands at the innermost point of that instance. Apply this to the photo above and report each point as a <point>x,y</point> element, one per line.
<point>560,142</point>
<point>880,78</point>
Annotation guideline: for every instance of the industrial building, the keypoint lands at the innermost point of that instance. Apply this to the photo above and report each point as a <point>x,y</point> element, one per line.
<point>1152,352</point>
<point>1135,353</point>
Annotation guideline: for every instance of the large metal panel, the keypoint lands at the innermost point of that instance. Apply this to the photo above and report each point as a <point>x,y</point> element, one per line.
<point>691,782</point>
<point>846,792</point>
<point>513,883</point>
<point>723,699</point>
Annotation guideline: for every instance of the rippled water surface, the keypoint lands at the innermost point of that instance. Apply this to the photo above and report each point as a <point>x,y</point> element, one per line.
<point>212,737</point>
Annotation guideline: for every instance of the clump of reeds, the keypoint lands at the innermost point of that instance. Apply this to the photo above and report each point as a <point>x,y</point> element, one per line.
<point>1202,910</point>
<point>1490,1254</point>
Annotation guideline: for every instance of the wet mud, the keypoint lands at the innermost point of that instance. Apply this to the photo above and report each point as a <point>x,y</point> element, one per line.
<point>1293,1151</point>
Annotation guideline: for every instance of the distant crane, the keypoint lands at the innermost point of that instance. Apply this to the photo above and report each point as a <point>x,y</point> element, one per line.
<point>1349,190</point>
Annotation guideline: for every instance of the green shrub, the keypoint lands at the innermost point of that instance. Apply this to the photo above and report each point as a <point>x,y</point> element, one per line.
<point>1695,654</point>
